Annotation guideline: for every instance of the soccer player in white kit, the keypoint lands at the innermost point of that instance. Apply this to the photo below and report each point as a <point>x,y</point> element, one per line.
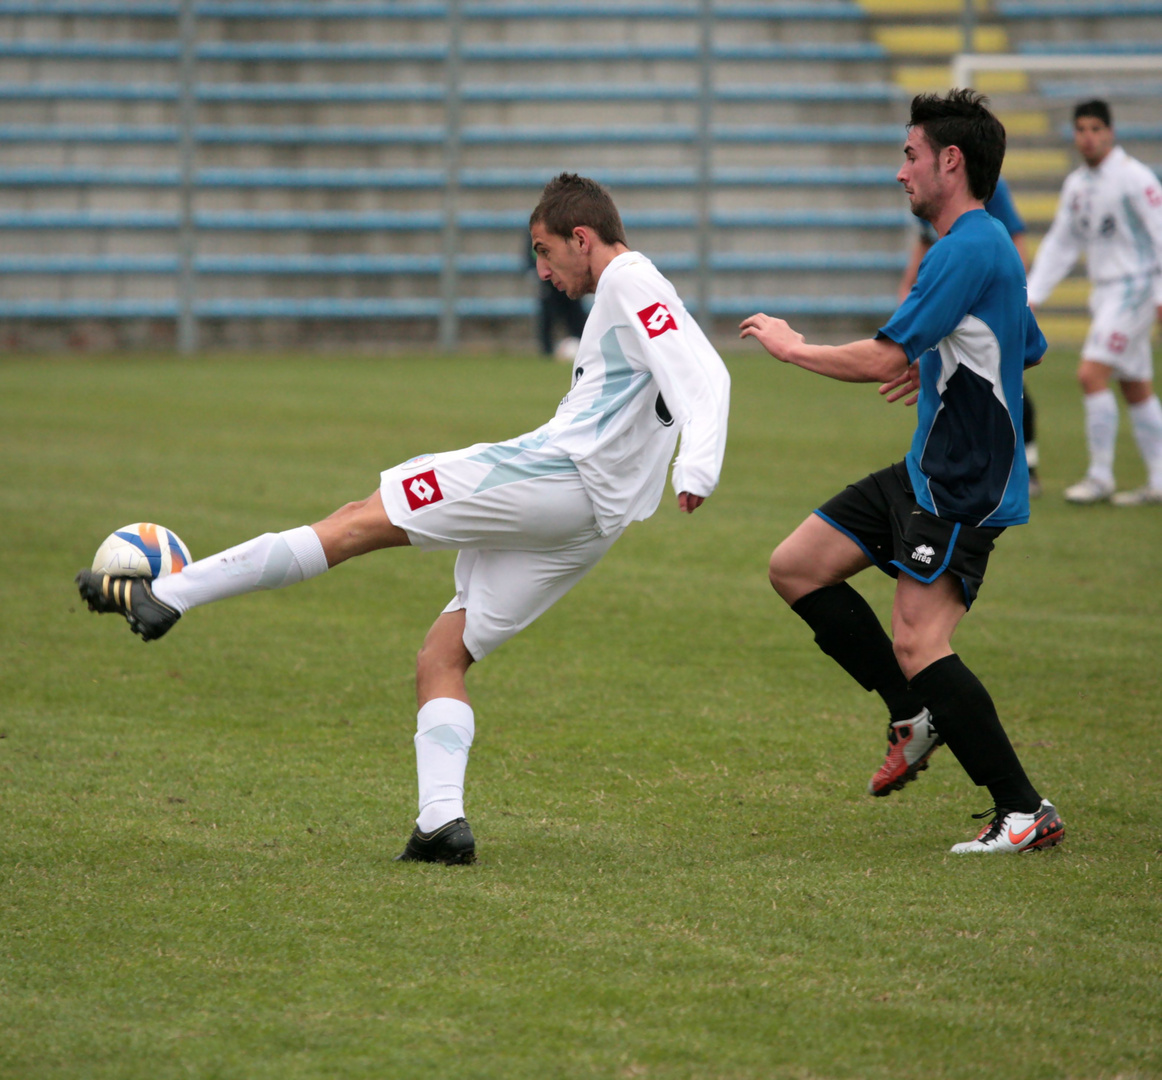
<point>1110,209</point>
<point>529,517</point>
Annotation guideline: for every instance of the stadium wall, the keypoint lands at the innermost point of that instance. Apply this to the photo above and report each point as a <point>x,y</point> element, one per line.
<point>360,173</point>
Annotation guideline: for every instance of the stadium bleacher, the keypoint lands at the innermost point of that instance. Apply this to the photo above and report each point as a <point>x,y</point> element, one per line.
<point>376,161</point>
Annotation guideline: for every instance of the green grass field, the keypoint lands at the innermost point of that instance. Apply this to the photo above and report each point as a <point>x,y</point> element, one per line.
<point>681,874</point>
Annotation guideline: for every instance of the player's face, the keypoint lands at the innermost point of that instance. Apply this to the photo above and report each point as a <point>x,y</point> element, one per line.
<point>563,261</point>
<point>1093,139</point>
<point>920,175</point>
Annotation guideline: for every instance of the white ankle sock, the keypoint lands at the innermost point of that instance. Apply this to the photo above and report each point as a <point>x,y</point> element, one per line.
<point>1146,417</point>
<point>1101,432</point>
<point>444,731</point>
<point>266,562</point>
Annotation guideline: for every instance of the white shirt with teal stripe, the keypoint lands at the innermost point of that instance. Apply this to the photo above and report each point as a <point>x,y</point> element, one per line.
<point>644,373</point>
<point>1112,214</point>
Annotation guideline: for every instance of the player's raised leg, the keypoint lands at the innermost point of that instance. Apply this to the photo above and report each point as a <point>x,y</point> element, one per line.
<point>269,561</point>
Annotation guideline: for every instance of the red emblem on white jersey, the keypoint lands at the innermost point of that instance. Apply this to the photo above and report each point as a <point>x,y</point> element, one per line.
<point>657,319</point>
<point>423,489</point>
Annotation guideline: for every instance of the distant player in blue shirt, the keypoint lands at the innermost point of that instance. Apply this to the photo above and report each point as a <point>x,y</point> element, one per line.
<point>958,345</point>
<point>1002,207</point>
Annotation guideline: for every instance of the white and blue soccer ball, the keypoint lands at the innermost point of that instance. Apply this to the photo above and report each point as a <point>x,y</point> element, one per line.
<point>142,550</point>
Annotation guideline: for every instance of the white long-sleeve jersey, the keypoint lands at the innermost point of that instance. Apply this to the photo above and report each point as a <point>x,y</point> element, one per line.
<point>1114,214</point>
<point>644,372</point>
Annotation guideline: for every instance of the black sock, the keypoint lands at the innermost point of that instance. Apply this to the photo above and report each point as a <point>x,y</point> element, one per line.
<point>964,715</point>
<point>847,630</point>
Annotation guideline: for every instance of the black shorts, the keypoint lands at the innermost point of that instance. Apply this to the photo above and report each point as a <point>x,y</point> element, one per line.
<point>881,515</point>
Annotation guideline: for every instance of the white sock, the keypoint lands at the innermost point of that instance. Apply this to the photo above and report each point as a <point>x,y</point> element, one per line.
<point>444,731</point>
<point>1032,455</point>
<point>1146,417</point>
<point>268,561</point>
<point>1101,432</point>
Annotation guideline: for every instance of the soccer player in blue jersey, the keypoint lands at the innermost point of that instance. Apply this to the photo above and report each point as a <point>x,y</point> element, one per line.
<point>958,345</point>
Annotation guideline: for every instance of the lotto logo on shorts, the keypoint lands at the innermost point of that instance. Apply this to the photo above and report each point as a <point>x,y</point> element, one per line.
<point>1118,343</point>
<point>422,490</point>
<point>657,319</point>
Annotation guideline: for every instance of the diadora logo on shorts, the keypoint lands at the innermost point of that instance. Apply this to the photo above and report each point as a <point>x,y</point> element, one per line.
<point>924,554</point>
<point>422,490</point>
<point>657,319</point>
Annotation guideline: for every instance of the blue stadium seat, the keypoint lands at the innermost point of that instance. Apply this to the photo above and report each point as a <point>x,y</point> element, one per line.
<point>347,179</point>
<point>510,221</point>
<point>1090,48</point>
<point>377,52</point>
<point>1077,9</point>
<point>823,10</point>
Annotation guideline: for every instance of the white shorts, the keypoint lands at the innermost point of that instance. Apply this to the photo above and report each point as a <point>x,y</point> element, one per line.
<point>1119,336</point>
<point>526,535</point>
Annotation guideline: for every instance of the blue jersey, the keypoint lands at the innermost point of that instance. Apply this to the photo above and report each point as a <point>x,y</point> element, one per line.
<point>1000,206</point>
<point>967,323</point>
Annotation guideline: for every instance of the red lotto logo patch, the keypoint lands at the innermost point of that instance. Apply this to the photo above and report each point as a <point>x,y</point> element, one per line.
<point>1154,196</point>
<point>657,319</point>
<point>422,490</point>
<point>1118,343</point>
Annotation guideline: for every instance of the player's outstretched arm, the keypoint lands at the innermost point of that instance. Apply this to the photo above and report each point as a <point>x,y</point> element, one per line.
<point>869,360</point>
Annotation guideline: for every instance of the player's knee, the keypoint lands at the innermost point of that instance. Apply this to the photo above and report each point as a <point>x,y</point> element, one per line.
<point>352,510</point>
<point>914,651</point>
<point>345,517</point>
<point>1136,391</point>
<point>429,663</point>
<point>910,652</point>
<point>1092,377</point>
<point>785,573</point>
<point>436,660</point>
<point>357,528</point>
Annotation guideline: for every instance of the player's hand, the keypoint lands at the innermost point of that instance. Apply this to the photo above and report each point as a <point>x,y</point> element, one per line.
<point>688,503</point>
<point>908,382</point>
<point>774,335</point>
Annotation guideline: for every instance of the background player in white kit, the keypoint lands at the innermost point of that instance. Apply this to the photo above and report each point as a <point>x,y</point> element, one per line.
<point>529,517</point>
<point>1111,208</point>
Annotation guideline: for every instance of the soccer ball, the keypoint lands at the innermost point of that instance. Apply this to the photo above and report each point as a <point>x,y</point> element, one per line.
<point>141,550</point>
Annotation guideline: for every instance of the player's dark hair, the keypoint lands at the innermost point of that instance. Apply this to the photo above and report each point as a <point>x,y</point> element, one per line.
<point>570,200</point>
<point>1098,109</point>
<point>961,119</point>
